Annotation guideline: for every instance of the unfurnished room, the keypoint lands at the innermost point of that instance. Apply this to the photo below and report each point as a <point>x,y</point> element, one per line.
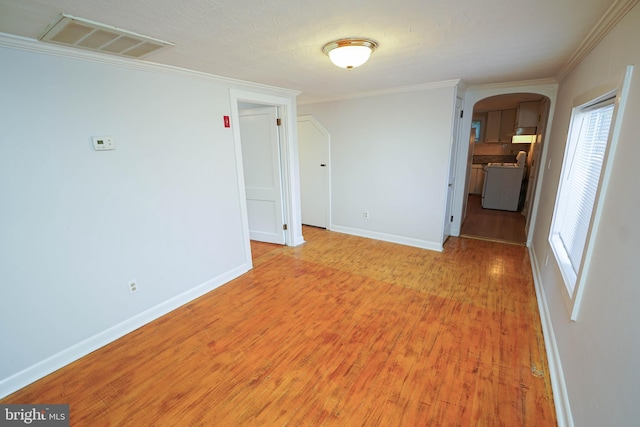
<point>339,213</point>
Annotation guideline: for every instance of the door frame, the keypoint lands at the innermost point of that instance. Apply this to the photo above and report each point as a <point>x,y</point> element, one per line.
<point>474,94</point>
<point>456,127</point>
<point>288,160</point>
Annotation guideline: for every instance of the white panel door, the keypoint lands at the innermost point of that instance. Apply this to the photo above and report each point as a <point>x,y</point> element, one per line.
<point>262,175</point>
<point>313,147</point>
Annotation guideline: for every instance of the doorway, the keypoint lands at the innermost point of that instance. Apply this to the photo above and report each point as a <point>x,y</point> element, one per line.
<point>494,225</point>
<point>288,162</point>
<point>506,130</point>
<point>315,186</point>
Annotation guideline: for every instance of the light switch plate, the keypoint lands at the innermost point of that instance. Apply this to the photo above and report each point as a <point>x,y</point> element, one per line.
<point>102,143</point>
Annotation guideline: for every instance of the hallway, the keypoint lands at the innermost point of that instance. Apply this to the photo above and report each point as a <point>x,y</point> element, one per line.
<point>494,225</point>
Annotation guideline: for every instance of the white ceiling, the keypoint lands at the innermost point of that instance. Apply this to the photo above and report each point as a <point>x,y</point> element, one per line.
<point>278,42</point>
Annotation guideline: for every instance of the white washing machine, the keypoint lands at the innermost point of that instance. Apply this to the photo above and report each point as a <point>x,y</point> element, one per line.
<point>502,184</point>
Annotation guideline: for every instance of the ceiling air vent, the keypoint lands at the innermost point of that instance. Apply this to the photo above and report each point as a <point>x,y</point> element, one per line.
<point>84,34</point>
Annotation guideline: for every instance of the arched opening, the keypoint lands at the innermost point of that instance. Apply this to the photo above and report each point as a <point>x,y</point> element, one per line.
<point>505,144</point>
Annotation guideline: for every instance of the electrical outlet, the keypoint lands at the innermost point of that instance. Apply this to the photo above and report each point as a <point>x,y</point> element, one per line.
<point>365,214</point>
<point>133,287</point>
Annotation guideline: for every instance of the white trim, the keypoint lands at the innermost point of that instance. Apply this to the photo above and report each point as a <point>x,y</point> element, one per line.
<point>449,198</point>
<point>545,87</point>
<point>390,91</point>
<point>607,167</point>
<point>408,241</point>
<point>242,192</point>
<point>610,19</point>
<point>71,354</point>
<point>564,417</point>
<point>568,270</point>
<point>32,45</point>
<point>508,87</point>
<point>289,159</point>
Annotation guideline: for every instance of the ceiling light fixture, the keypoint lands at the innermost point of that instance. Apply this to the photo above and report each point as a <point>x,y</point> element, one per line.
<point>349,53</point>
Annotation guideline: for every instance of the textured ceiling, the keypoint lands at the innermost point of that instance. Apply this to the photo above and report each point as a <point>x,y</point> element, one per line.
<point>278,42</point>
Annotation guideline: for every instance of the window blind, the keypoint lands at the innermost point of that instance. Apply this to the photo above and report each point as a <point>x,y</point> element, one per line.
<point>582,178</point>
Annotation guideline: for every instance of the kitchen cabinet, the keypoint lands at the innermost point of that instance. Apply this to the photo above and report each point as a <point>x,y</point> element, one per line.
<point>493,126</point>
<point>476,179</point>
<point>527,114</point>
<point>507,125</point>
<point>500,125</point>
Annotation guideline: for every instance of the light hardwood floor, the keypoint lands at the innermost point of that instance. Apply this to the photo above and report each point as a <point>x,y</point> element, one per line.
<point>341,331</point>
<point>490,224</point>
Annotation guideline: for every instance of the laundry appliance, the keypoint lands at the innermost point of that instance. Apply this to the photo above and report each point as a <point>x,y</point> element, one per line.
<point>503,183</point>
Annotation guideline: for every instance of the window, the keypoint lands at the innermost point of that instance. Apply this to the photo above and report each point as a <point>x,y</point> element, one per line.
<point>476,126</point>
<point>579,183</point>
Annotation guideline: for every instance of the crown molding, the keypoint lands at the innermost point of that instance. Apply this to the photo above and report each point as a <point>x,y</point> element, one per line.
<point>390,91</point>
<point>35,46</point>
<point>610,19</point>
<point>510,85</point>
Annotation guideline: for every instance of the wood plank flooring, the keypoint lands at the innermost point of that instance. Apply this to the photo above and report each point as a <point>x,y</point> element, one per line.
<point>490,224</point>
<point>341,331</point>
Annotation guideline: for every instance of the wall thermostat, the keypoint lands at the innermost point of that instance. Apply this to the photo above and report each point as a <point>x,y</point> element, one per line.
<point>102,143</point>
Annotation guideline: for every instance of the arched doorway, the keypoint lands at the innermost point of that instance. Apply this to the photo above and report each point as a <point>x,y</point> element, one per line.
<point>506,136</point>
<point>494,122</point>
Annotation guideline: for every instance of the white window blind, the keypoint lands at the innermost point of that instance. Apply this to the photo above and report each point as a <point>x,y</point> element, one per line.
<point>580,177</point>
<point>581,181</point>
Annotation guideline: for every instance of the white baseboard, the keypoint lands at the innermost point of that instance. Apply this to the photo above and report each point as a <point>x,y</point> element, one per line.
<point>81,349</point>
<point>297,241</point>
<point>424,244</point>
<point>558,385</point>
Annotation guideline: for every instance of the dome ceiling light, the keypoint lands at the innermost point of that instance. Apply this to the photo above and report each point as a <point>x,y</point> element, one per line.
<point>349,53</point>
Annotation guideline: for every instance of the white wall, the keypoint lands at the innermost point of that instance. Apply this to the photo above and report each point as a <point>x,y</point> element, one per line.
<point>390,156</point>
<point>599,353</point>
<point>77,225</point>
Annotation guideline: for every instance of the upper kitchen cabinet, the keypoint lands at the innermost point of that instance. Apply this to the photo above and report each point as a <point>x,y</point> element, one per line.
<point>493,126</point>
<point>527,114</point>
<point>507,124</point>
<point>500,125</point>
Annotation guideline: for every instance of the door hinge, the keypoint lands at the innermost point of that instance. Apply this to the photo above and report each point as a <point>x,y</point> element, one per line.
<point>278,122</point>
<point>284,226</point>
<point>461,113</point>
<point>451,220</point>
